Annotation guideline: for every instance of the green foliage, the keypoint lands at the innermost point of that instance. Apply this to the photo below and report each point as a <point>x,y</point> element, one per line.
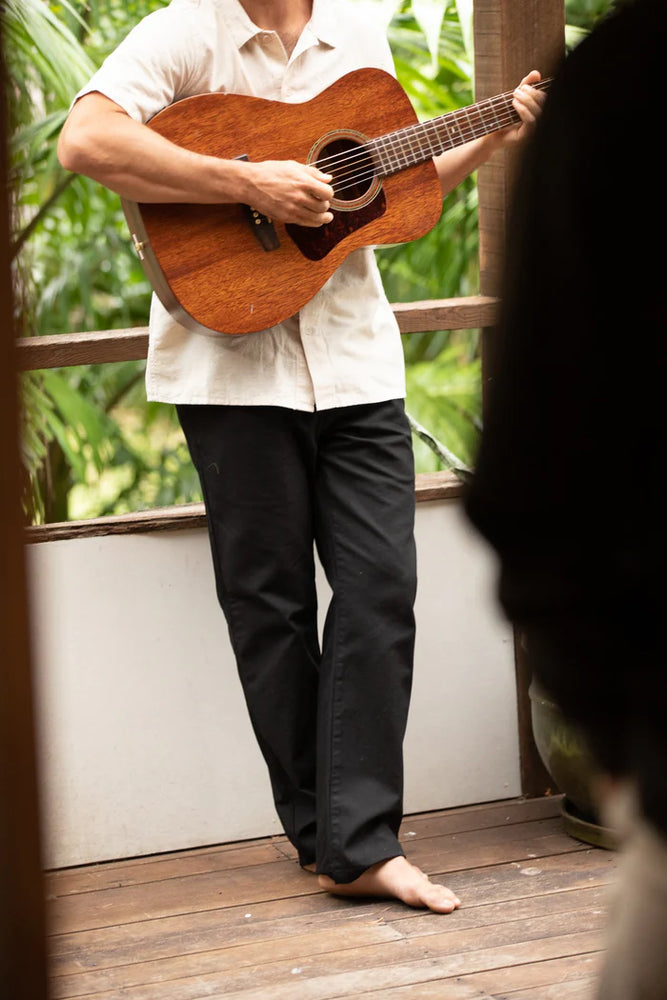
<point>86,450</point>
<point>582,16</point>
<point>585,14</point>
<point>436,72</point>
<point>92,445</point>
<point>447,394</point>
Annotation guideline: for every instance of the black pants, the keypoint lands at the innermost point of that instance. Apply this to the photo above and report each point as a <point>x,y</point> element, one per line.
<point>329,721</point>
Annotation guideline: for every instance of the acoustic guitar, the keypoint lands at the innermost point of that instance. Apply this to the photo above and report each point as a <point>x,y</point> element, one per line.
<point>227,269</point>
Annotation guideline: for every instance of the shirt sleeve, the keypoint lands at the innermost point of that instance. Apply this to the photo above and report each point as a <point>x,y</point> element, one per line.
<point>155,63</point>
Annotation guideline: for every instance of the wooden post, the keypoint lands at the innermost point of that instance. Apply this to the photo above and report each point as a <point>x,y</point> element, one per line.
<point>511,38</point>
<point>22,932</point>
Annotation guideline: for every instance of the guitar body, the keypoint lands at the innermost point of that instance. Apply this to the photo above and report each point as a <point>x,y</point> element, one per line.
<point>207,264</point>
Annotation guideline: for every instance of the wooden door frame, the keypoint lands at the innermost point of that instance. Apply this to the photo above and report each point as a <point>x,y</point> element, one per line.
<point>22,925</point>
<point>511,37</point>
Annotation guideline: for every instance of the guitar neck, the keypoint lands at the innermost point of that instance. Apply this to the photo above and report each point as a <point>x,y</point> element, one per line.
<point>417,143</point>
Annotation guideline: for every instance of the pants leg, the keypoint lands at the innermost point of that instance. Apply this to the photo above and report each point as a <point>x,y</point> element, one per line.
<point>253,463</point>
<point>330,725</point>
<point>364,529</point>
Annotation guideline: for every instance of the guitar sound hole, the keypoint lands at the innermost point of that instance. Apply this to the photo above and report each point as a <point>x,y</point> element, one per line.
<point>351,167</point>
<point>358,197</point>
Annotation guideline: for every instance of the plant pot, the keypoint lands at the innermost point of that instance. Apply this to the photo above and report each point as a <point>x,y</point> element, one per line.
<point>563,751</point>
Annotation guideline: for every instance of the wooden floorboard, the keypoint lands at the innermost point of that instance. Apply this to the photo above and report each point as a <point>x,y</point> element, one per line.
<point>244,922</point>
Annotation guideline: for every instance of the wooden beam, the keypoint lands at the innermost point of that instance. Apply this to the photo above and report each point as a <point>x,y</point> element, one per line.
<point>429,486</point>
<point>103,346</point>
<point>22,921</point>
<point>92,348</point>
<point>511,38</point>
<point>465,313</point>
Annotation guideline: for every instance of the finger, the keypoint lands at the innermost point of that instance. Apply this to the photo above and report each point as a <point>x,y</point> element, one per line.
<point>533,77</point>
<point>324,189</point>
<point>320,174</point>
<point>322,192</point>
<point>317,213</point>
<point>528,102</point>
<point>321,216</point>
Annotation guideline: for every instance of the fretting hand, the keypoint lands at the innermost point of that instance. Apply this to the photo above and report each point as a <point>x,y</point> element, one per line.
<point>527,102</point>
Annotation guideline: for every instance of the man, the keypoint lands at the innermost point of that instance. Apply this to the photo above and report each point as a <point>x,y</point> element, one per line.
<point>298,432</point>
<point>568,482</point>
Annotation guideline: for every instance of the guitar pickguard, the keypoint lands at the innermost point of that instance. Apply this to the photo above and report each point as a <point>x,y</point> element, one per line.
<point>316,243</point>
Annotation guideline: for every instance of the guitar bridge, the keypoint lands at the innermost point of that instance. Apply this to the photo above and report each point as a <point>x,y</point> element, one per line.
<point>261,225</point>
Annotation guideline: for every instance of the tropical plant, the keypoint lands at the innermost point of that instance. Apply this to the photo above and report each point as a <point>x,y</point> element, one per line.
<point>432,48</point>
<point>75,270</point>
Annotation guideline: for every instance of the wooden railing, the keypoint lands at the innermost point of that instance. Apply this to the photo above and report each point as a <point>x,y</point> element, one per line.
<point>108,346</point>
<point>105,346</point>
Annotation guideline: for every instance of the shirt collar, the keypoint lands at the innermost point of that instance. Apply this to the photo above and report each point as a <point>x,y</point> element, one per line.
<point>323,22</point>
<point>327,21</point>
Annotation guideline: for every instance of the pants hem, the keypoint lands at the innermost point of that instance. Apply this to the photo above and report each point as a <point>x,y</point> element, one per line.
<point>343,876</point>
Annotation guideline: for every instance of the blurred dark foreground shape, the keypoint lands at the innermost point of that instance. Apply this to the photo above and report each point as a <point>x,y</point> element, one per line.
<point>567,487</point>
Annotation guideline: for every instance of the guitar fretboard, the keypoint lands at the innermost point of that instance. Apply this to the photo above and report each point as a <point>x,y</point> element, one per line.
<point>417,143</point>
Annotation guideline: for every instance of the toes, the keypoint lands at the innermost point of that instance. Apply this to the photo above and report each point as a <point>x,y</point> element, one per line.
<point>441,899</point>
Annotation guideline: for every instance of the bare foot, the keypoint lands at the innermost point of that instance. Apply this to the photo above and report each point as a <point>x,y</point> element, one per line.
<point>309,868</point>
<point>396,878</point>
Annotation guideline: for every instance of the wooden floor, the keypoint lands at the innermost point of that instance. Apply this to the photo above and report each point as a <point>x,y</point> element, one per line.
<point>242,921</point>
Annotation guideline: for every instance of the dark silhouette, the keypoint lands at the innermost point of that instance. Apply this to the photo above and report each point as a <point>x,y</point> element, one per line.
<point>567,486</point>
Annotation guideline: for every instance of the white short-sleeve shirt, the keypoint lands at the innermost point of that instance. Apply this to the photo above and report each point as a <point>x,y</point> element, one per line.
<point>344,346</point>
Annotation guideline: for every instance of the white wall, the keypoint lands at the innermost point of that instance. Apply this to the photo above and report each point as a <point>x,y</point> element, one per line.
<point>145,744</point>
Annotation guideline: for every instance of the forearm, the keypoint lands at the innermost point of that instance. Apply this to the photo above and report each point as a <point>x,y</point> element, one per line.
<point>456,164</point>
<point>102,142</point>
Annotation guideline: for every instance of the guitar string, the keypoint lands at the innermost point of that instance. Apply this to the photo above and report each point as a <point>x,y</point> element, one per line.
<point>399,150</point>
<point>503,100</point>
<point>426,130</point>
<point>435,124</point>
<point>434,127</point>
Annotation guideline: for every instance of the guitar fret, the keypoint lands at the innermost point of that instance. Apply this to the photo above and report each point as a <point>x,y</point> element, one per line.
<point>383,160</point>
<point>402,156</point>
<point>492,108</point>
<point>455,133</point>
<point>466,113</point>
<point>397,151</point>
<point>404,148</point>
<point>432,129</point>
<point>415,148</point>
<point>425,144</point>
<point>432,142</point>
<point>504,106</point>
<point>418,148</point>
<point>482,126</point>
<point>416,143</point>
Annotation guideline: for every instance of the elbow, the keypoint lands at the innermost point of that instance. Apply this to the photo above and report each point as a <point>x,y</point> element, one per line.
<point>73,151</point>
<point>83,143</point>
